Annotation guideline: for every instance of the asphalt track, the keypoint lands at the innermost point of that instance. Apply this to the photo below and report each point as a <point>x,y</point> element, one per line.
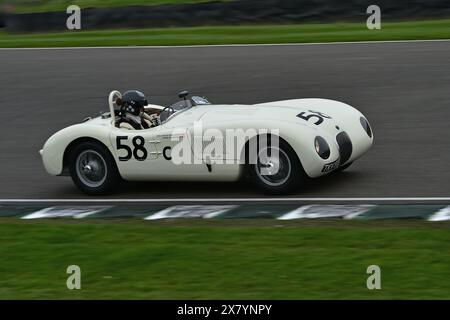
<point>403,89</point>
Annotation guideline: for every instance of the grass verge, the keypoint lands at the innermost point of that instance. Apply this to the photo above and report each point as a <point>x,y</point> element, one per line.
<point>258,34</point>
<point>263,259</point>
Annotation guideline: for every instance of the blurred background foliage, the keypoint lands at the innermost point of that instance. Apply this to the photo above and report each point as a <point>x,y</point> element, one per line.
<point>26,6</point>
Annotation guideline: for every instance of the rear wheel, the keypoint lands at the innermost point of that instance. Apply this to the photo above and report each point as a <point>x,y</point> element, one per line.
<point>93,169</point>
<point>277,170</point>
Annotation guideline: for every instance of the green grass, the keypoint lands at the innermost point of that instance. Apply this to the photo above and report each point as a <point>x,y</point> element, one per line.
<point>27,6</point>
<point>433,29</point>
<point>256,259</point>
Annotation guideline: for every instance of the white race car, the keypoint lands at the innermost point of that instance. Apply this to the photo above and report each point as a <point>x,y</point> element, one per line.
<point>195,140</point>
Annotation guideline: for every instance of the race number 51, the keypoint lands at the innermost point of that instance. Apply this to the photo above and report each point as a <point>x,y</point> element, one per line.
<point>318,116</point>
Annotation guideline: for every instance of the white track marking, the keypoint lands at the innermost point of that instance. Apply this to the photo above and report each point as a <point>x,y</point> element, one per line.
<point>326,211</point>
<point>193,211</point>
<point>250,200</point>
<point>232,45</point>
<point>357,213</point>
<point>441,215</point>
<point>219,211</point>
<point>64,212</point>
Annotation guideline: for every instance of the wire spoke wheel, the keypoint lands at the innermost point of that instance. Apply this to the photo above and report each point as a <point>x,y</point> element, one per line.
<point>273,166</point>
<point>91,168</point>
<point>275,169</point>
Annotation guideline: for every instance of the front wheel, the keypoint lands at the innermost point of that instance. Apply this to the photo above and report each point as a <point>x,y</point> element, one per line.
<point>277,170</point>
<point>93,169</point>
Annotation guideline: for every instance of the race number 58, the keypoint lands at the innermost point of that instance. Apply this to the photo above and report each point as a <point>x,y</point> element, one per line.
<point>138,152</point>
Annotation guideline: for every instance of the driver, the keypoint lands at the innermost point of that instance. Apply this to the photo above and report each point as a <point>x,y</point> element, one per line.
<point>133,115</point>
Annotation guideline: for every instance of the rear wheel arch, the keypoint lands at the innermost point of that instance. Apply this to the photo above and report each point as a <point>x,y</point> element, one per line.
<point>75,143</point>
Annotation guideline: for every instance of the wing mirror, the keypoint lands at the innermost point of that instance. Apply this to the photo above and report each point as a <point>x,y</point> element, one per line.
<point>183,95</point>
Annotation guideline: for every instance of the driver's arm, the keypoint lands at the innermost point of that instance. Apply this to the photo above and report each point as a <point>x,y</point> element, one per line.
<point>146,116</point>
<point>152,120</point>
<point>124,125</point>
<point>152,111</point>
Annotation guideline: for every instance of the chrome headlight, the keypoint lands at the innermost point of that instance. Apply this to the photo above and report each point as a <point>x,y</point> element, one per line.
<point>366,126</point>
<point>322,147</point>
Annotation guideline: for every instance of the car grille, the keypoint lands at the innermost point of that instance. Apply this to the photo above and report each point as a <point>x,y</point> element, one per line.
<point>345,146</point>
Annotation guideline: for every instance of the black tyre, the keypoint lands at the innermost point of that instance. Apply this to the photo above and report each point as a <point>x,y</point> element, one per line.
<point>93,169</point>
<point>287,175</point>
